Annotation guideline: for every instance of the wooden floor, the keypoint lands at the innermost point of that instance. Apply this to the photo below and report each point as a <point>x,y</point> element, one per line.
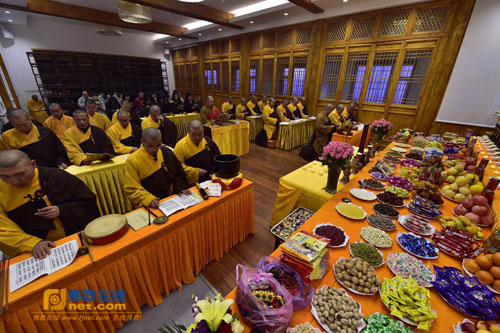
<point>264,167</point>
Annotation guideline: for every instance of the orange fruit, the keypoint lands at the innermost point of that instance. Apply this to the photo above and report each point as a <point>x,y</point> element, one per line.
<point>484,261</point>
<point>484,277</point>
<point>496,259</point>
<point>495,271</point>
<point>496,285</point>
<point>472,266</point>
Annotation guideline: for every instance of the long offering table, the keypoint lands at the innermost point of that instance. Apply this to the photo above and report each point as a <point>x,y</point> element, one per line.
<point>447,316</point>
<point>145,264</point>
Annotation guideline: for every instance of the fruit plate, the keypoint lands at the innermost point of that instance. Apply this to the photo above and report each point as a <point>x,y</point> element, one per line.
<point>324,326</point>
<point>388,204</point>
<point>402,221</point>
<point>458,327</point>
<point>414,254</point>
<point>399,149</point>
<point>379,265</point>
<point>349,217</point>
<point>469,273</point>
<point>478,224</point>
<point>373,188</point>
<point>329,224</point>
<point>452,200</point>
<point>353,192</point>
<point>348,288</point>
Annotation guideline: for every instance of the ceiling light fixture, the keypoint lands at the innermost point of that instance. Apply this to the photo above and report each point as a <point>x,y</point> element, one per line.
<point>9,20</point>
<point>134,13</point>
<point>192,1</point>
<point>345,0</point>
<point>167,42</point>
<point>251,22</point>
<point>200,34</point>
<point>7,12</point>
<point>196,24</point>
<point>257,7</point>
<point>286,14</point>
<point>220,29</point>
<point>180,38</point>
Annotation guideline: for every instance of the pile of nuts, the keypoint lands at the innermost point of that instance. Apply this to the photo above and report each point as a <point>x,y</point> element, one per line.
<point>357,275</point>
<point>336,310</point>
<point>376,237</point>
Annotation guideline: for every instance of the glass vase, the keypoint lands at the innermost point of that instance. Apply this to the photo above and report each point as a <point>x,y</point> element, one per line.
<point>333,179</point>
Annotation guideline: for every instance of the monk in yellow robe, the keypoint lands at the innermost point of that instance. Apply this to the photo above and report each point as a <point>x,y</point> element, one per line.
<point>270,117</point>
<point>228,106</point>
<point>294,109</point>
<point>153,172</point>
<point>39,205</point>
<point>263,102</point>
<point>242,110</point>
<point>283,113</point>
<point>84,138</point>
<point>58,122</point>
<point>37,109</point>
<point>125,105</point>
<point>167,128</point>
<point>337,115</point>
<point>302,106</point>
<point>124,135</point>
<point>323,129</point>
<point>38,142</point>
<point>96,119</point>
<point>253,107</point>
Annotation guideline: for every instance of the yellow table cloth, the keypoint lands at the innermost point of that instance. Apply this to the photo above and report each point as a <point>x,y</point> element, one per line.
<point>232,138</point>
<point>296,133</point>
<point>146,263</point>
<point>303,188</point>
<point>105,179</point>
<point>354,139</point>
<point>256,125</point>
<point>181,121</point>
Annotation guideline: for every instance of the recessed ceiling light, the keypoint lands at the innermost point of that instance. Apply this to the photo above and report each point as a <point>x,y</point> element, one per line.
<point>286,14</point>
<point>199,34</point>
<point>345,0</point>
<point>7,12</point>
<point>9,20</point>
<point>251,22</point>
<point>180,38</point>
<point>167,42</point>
<point>220,29</point>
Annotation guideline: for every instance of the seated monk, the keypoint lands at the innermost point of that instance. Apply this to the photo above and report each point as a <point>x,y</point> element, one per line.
<point>37,109</point>
<point>263,102</point>
<point>323,129</point>
<point>84,138</point>
<point>58,122</point>
<point>228,106</point>
<point>125,136</point>
<point>153,172</point>
<point>95,118</point>
<point>352,110</point>
<point>40,143</point>
<point>242,110</point>
<point>167,128</point>
<point>338,115</point>
<point>127,106</point>
<point>283,113</point>
<point>39,205</point>
<point>209,111</point>
<point>196,153</point>
<point>270,117</point>
<point>253,107</point>
<point>302,106</point>
<point>294,110</point>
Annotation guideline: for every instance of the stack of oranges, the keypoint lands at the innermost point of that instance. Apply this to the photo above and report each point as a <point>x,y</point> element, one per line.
<point>486,267</point>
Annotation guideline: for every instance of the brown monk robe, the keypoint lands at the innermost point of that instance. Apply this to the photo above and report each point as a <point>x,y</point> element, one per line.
<point>167,128</point>
<point>323,129</point>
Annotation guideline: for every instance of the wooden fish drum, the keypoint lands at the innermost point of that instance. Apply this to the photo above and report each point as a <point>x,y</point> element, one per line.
<point>106,229</point>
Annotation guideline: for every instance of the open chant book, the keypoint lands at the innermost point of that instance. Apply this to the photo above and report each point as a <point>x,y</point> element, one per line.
<point>26,271</point>
<point>179,202</point>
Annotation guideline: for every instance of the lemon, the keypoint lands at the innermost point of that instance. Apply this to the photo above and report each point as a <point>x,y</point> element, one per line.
<point>476,188</point>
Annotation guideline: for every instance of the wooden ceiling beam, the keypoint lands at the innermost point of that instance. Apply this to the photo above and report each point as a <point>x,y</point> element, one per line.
<point>308,5</point>
<point>194,10</point>
<point>64,10</point>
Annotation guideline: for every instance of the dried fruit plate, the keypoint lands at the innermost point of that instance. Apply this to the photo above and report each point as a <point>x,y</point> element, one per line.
<point>348,288</point>
<point>329,224</point>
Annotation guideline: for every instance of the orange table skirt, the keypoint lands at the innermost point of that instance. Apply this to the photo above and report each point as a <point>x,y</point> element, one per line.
<point>354,139</point>
<point>146,263</point>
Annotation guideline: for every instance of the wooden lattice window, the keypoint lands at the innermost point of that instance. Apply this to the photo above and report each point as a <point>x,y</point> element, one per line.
<point>331,76</point>
<point>267,76</point>
<point>235,45</point>
<point>225,76</point>
<point>254,76</point>
<point>208,76</point>
<point>206,50</point>
<point>192,52</point>
<point>285,38</point>
<point>215,48</point>
<point>431,19</point>
<point>381,77</point>
<point>224,46</point>
<point>255,42</point>
<point>363,27</point>
<point>282,76</point>
<point>216,75</point>
<point>303,36</point>
<point>183,53</point>
<point>268,40</point>
<point>411,79</point>
<point>189,76</point>
<point>196,80</point>
<point>299,76</point>
<point>235,76</point>
<point>354,75</point>
<point>394,24</point>
<point>336,31</point>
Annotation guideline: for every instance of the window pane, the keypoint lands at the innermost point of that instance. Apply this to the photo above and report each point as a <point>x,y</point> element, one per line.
<point>282,76</point>
<point>235,76</point>
<point>267,76</point>
<point>331,75</point>
<point>381,77</point>
<point>254,76</point>
<point>215,75</point>
<point>353,78</point>
<point>225,76</point>
<point>412,77</point>
<point>299,76</point>
<point>208,76</point>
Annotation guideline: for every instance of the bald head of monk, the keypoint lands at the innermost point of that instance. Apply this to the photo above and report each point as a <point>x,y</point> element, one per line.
<point>328,108</point>
<point>195,131</point>
<point>210,101</point>
<point>56,110</point>
<point>126,105</point>
<point>272,101</point>
<point>123,118</point>
<point>81,119</point>
<point>295,101</point>
<point>20,119</point>
<point>16,168</point>
<point>151,140</point>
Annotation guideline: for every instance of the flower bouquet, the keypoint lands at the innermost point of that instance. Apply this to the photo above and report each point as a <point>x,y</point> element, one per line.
<point>336,155</point>
<point>210,315</point>
<point>380,128</point>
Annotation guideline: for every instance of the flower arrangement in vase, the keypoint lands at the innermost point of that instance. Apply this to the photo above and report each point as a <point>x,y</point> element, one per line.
<point>335,155</point>
<point>380,128</point>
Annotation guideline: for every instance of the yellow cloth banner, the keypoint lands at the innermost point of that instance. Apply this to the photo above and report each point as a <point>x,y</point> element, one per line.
<point>295,134</point>
<point>232,139</point>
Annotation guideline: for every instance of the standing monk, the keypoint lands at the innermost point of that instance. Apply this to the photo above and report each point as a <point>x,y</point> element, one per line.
<point>58,122</point>
<point>37,109</point>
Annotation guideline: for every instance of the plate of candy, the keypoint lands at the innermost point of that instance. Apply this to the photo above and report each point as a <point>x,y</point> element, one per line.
<point>416,224</point>
<point>401,182</point>
<point>456,243</point>
<point>286,227</point>
<point>406,265</point>
<point>417,246</point>
<point>379,175</point>
<point>424,208</point>
<point>391,199</point>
